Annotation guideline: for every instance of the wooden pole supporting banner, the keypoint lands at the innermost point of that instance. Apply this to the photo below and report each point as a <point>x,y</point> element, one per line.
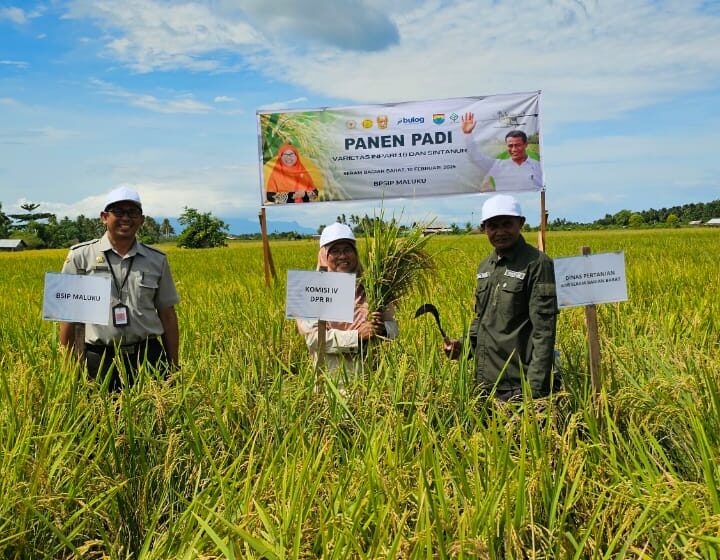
<point>593,340</point>
<point>543,222</point>
<point>269,266</point>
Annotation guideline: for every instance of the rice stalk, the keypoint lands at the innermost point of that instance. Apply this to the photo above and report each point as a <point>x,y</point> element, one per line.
<point>394,261</point>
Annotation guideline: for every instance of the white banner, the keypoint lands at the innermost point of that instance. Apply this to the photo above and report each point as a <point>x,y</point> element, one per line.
<point>328,296</point>
<point>76,298</point>
<point>590,279</point>
<point>420,148</point>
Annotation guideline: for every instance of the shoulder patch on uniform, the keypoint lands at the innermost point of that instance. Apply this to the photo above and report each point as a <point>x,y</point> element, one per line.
<point>153,249</point>
<point>78,245</point>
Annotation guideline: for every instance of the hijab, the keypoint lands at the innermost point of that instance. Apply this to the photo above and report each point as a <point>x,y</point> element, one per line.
<point>289,178</point>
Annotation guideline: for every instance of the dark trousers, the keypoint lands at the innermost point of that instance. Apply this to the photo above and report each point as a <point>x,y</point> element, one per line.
<point>103,360</point>
<point>515,394</point>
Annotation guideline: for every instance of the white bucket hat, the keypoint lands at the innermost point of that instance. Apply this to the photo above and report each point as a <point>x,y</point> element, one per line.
<point>336,232</point>
<point>500,205</point>
<point>122,194</point>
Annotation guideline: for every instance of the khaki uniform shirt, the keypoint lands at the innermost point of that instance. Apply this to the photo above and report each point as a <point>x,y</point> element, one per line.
<point>515,316</point>
<point>149,287</point>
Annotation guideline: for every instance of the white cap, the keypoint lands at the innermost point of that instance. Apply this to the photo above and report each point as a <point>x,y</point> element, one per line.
<point>122,194</point>
<point>336,232</point>
<point>500,205</point>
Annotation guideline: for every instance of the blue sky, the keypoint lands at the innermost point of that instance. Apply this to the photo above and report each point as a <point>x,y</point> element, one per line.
<point>162,96</point>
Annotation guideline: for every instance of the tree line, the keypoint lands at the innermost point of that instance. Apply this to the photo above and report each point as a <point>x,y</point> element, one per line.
<point>664,217</point>
<point>200,230</point>
<point>43,230</point>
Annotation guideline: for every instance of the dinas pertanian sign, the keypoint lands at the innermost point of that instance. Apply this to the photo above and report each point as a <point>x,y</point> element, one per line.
<point>423,148</point>
<point>590,279</point>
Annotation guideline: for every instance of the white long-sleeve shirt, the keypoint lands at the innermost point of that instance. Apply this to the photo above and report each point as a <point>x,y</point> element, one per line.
<point>505,174</point>
<point>342,347</point>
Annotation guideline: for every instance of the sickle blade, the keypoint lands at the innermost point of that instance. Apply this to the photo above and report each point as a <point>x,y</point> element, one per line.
<point>430,308</point>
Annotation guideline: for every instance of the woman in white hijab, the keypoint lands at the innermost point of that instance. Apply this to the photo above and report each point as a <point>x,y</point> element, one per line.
<point>344,342</point>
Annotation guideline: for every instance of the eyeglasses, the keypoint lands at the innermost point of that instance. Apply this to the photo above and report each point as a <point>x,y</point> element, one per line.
<point>341,250</point>
<point>132,213</point>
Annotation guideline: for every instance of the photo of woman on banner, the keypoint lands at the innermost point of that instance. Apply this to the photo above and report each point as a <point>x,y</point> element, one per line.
<point>290,181</point>
<point>519,172</point>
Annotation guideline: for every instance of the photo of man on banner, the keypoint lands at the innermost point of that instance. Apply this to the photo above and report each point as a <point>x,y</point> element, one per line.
<point>519,172</point>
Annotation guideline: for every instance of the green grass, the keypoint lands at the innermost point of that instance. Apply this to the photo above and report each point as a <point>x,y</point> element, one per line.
<point>243,455</point>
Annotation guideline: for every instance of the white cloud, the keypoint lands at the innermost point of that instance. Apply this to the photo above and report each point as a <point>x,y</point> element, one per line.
<point>148,35</point>
<point>180,104</point>
<point>17,63</point>
<point>16,15</point>
<point>593,60</point>
<point>277,105</point>
<point>32,135</point>
<point>224,99</point>
<point>89,206</point>
<point>591,63</point>
<point>346,24</point>
<point>632,148</point>
<point>207,189</point>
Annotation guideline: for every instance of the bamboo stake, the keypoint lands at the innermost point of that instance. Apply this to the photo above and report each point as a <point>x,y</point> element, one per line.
<point>593,340</point>
<point>79,340</point>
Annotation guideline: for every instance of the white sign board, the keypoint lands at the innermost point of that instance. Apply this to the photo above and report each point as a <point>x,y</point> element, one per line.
<point>77,299</point>
<point>328,296</point>
<point>590,279</point>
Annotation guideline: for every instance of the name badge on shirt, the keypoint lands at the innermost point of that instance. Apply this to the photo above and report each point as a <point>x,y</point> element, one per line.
<point>483,275</point>
<point>513,274</point>
<point>121,315</point>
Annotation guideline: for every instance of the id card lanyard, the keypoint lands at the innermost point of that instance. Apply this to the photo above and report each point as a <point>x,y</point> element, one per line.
<point>121,312</point>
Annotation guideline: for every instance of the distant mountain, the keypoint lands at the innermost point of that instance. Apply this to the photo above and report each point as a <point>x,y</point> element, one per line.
<point>241,225</point>
<point>238,226</point>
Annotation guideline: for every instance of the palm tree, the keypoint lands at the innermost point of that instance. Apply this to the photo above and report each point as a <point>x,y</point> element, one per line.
<point>166,229</point>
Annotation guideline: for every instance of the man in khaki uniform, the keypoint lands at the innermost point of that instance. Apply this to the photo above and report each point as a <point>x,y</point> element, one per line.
<point>513,334</point>
<point>143,322</point>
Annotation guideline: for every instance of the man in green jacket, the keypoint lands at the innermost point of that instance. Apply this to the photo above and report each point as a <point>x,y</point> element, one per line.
<point>513,333</point>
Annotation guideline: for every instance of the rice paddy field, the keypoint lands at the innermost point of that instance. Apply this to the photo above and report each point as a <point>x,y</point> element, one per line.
<point>246,453</point>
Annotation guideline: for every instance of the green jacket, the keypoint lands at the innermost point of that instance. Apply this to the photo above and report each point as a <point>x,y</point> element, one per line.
<point>515,316</point>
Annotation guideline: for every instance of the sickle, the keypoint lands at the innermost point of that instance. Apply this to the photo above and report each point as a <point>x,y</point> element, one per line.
<point>430,308</point>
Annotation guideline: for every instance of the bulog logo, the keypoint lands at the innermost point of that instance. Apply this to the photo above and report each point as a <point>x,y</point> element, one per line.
<point>411,120</point>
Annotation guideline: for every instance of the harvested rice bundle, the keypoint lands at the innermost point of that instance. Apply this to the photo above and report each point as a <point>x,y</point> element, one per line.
<point>394,260</point>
